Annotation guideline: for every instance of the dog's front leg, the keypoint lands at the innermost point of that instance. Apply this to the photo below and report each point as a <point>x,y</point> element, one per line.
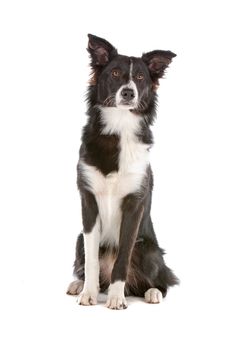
<point>91,227</point>
<point>132,211</point>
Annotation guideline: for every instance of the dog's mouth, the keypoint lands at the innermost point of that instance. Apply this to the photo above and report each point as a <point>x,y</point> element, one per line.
<point>126,103</point>
<point>122,104</point>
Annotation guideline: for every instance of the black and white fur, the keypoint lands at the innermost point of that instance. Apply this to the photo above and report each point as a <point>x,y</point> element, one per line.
<point>118,250</point>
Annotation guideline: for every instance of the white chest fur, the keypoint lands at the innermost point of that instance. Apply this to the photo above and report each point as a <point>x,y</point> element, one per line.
<point>111,189</point>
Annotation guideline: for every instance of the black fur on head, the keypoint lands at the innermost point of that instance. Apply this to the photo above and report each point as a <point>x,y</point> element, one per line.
<point>112,72</point>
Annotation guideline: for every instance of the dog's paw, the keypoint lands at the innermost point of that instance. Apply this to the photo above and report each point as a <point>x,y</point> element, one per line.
<point>116,303</point>
<point>87,298</point>
<point>153,296</point>
<point>75,288</point>
<point>116,297</point>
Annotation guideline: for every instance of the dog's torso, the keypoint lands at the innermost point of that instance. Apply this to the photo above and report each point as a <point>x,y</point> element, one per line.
<point>133,160</point>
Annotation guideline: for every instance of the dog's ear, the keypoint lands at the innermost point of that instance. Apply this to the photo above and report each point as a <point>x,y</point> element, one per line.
<point>157,61</point>
<point>101,51</point>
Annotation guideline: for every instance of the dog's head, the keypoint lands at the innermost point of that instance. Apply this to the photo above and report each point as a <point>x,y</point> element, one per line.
<point>125,82</point>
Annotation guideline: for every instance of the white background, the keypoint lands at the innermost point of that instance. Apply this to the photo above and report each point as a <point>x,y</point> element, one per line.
<point>43,78</point>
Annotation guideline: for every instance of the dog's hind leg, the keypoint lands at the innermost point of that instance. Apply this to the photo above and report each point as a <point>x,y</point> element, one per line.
<point>75,287</point>
<point>153,296</point>
<point>148,274</point>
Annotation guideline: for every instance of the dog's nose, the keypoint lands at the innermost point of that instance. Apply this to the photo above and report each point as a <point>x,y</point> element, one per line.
<point>127,94</point>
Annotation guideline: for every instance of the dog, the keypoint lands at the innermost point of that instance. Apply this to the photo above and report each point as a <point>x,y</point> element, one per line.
<point>118,250</point>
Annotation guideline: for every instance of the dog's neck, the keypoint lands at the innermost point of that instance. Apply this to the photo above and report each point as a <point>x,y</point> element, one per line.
<point>119,121</point>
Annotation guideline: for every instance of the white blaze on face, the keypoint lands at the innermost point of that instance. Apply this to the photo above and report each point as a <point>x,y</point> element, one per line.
<point>131,85</point>
<point>131,71</point>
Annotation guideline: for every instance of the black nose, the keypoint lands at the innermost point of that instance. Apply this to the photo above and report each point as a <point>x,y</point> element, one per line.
<point>127,94</point>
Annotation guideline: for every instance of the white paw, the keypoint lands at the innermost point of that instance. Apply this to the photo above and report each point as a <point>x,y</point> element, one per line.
<point>116,303</point>
<point>87,298</point>
<point>75,287</point>
<point>116,297</point>
<point>153,296</point>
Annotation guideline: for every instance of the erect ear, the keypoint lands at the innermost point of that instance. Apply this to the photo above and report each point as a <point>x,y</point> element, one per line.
<point>157,61</point>
<point>101,50</point>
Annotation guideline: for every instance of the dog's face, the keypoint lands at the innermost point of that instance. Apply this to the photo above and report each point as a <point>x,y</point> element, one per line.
<point>125,82</point>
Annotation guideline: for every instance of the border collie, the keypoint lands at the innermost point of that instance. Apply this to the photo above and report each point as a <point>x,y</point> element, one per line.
<point>118,249</point>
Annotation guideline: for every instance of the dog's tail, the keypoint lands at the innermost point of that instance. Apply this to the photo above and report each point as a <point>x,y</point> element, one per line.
<point>166,278</point>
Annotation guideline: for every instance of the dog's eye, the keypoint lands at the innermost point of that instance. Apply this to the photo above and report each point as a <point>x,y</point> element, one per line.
<point>140,76</point>
<point>116,73</point>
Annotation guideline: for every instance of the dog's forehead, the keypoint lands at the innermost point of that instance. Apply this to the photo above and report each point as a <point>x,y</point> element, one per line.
<point>137,63</point>
<point>126,62</point>
<point>120,61</point>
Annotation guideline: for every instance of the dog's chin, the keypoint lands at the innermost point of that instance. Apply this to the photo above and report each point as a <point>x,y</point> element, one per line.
<point>126,106</point>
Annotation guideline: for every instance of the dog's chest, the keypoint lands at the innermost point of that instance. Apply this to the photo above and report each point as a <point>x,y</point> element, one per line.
<point>111,189</point>
<point>133,161</point>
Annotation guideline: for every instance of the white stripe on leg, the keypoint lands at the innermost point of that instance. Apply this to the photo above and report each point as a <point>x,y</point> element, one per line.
<point>91,248</point>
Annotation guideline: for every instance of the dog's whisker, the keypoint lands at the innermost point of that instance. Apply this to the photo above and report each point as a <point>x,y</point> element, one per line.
<point>107,102</point>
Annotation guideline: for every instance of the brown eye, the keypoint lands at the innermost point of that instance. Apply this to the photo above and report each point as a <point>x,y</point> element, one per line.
<point>116,73</point>
<point>140,76</point>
